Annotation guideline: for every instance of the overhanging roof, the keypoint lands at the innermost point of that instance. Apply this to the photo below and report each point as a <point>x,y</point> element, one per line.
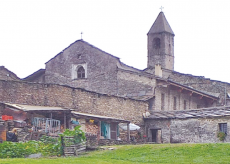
<point>28,108</point>
<point>192,90</point>
<point>99,117</point>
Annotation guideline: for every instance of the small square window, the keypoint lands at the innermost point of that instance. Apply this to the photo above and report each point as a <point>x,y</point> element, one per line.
<point>223,127</point>
<point>79,56</point>
<point>162,101</point>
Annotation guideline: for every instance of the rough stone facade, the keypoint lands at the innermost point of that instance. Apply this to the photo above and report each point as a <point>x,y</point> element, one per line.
<point>100,68</point>
<point>164,54</point>
<point>129,83</point>
<point>193,130</point>
<point>73,98</point>
<point>5,74</point>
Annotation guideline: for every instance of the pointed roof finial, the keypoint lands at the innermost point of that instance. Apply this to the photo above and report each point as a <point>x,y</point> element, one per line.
<point>161,8</point>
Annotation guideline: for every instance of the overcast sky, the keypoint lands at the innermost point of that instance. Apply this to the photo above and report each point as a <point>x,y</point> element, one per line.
<point>34,31</point>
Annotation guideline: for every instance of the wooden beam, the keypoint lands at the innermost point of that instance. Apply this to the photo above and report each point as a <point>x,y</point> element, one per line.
<point>180,90</point>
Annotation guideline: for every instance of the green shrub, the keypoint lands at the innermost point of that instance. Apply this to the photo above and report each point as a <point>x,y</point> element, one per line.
<point>48,146</point>
<point>22,149</point>
<point>77,134</point>
<point>221,136</point>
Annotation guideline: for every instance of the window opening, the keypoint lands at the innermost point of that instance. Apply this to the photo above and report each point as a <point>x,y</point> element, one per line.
<point>223,127</point>
<point>185,104</point>
<point>79,56</point>
<point>174,104</point>
<point>81,72</point>
<point>162,101</point>
<point>156,43</point>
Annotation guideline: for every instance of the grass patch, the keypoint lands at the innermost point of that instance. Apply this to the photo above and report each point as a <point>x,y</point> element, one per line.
<point>137,154</point>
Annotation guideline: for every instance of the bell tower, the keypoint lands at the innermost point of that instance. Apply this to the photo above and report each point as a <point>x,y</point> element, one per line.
<point>161,44</point>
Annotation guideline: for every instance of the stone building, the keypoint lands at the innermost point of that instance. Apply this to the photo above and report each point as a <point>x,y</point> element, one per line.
<point>169,95</point>
<point>6,74</point>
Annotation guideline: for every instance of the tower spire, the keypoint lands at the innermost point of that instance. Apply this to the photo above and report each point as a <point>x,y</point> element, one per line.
<point>161,43</point>
<point>161,25</point>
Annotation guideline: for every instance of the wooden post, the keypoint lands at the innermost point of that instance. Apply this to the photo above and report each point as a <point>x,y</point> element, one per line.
<point>128,132</point>
<point>2,107</point>
<point>99,130</point>
<point>64,120</point>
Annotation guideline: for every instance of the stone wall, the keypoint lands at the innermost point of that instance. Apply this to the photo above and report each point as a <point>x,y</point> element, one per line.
<point>5,74</point>
<point>200,130</point>
<point>100,68</point>
<point>164,54</point>
<point>129,83</point>
<point>77,99</point>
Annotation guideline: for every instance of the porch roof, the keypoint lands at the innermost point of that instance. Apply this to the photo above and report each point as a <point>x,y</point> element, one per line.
<point>98,117</point>
<point>28,108</point>
<point>199,113</point>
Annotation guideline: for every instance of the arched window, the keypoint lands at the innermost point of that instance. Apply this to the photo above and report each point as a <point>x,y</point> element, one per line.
<point>156,43</point>
<point>81,72</point>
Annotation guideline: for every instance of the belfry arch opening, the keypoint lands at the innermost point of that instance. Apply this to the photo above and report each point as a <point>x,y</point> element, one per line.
<point>156,43</point>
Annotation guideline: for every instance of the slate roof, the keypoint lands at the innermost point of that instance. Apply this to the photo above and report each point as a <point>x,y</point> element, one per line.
<point>161,25</point>
<point>197,113</point>
<point>209,94</point>
<point>35,75</point>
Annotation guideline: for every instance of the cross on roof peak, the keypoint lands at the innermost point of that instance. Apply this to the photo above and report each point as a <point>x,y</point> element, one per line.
<point>81,35</point>
<point>161,8</point>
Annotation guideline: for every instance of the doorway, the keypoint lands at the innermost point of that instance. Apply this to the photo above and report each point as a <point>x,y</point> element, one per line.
<point>156,135</point>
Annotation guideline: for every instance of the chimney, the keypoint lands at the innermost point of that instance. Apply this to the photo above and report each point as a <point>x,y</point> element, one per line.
<point>158,70</point>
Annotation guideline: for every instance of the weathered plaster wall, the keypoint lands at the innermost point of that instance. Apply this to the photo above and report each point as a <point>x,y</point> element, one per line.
<point>77,99</point>
<point>200,130</point>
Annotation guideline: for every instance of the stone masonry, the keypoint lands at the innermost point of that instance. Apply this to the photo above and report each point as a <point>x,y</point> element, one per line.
<point>73,98</point>
<point>193,130</point>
